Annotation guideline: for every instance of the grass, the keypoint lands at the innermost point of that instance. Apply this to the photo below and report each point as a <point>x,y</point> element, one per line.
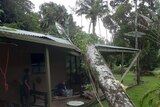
<point>104,103</point>
<point>136,93</point>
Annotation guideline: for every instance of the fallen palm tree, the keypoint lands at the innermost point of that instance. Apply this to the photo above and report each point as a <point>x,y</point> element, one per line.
<point>113,91</point>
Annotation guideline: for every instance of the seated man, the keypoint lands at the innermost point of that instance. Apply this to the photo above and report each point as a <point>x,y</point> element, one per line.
<point>60,89</point>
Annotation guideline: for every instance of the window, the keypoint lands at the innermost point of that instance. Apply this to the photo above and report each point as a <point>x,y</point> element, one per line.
<point>72,63</point>
<point>37,62</point>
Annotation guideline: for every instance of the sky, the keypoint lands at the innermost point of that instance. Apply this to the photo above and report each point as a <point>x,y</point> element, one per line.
<point>85,22</point>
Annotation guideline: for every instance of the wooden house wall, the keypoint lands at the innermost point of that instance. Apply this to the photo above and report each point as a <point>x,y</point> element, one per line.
<point>19,59</point>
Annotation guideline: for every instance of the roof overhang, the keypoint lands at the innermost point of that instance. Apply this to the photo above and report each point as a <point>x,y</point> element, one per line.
<point>115,49</point>
<point>37,38</point>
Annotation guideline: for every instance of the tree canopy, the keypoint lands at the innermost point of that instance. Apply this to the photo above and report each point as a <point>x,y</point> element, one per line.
<point>121,21</point>
<point>19,14</point>
<point>92,9</point>
<point>50,14</point>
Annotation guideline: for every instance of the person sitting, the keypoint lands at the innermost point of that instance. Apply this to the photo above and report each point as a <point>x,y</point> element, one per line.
<point>60,89</point>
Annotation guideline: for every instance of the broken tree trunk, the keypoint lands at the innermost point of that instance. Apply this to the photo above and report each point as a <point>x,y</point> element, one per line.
<point>113,91</point>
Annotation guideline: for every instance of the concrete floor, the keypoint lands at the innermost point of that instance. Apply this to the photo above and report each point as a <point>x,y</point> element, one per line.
<point>62,101</point>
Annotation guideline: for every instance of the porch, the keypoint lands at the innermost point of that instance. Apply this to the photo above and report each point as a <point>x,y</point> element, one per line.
<point>50,60</point>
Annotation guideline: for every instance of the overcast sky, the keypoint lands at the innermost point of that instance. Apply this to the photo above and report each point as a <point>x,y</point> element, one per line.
<point>77,19</point>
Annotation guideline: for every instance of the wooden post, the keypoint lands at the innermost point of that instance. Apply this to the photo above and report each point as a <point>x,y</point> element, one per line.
<point>47,66</point>
<point>122,65</point>
<point>136,43</point>
<point>132,63</point>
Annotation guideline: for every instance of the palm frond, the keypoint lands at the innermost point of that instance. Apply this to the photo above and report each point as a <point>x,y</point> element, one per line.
<point>147,95</point>
<point>154,15</point>
<point>148,20</point>
<point>153,96</point>
<point>150,102</point>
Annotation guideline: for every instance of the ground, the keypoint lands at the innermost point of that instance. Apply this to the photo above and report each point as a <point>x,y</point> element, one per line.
<point>137,92</point>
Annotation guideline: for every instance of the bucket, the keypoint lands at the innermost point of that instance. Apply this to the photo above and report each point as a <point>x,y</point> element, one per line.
<point>69,92</point>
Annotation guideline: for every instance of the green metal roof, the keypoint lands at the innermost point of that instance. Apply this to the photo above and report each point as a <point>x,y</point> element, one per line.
<point>36,38</point>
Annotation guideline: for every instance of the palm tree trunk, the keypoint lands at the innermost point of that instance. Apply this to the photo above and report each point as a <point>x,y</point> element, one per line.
<point>89,27</point>
<point>94,21</point>
<point>106,40</point>
<point>113,91</point>
<point>94,25</point>
<point>99,26</point>
<point>81,20</point>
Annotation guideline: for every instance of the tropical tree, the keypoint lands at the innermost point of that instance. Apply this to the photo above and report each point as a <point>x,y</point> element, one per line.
<point>92,9</point>
<point>122,21</point>
<point>113,91</point>
<point>81,39</point>
<point>50,14</point>
<point>16,13</point>
<point>71,28</point>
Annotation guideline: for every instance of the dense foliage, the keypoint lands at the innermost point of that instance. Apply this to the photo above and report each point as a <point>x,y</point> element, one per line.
<point>19,14</point>
<point>82,39</point>
<point>121,21</point>
<point>50,13</point>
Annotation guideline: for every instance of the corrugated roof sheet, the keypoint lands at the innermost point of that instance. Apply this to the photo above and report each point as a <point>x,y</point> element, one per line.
<point>115,48</point>
<point>28,33</point>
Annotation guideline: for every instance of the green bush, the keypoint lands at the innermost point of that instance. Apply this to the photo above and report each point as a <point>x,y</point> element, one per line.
<point>156,72</point>
<point>88,87</point>
<point>117,69</point>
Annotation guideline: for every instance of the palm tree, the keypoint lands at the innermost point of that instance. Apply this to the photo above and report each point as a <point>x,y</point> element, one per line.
<point>51,13</point>
<point>92,9</point>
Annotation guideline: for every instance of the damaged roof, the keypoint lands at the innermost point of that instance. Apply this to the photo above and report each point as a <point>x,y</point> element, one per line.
<point>36,37</point>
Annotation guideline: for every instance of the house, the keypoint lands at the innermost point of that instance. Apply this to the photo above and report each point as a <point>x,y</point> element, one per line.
<point>50,60</point>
